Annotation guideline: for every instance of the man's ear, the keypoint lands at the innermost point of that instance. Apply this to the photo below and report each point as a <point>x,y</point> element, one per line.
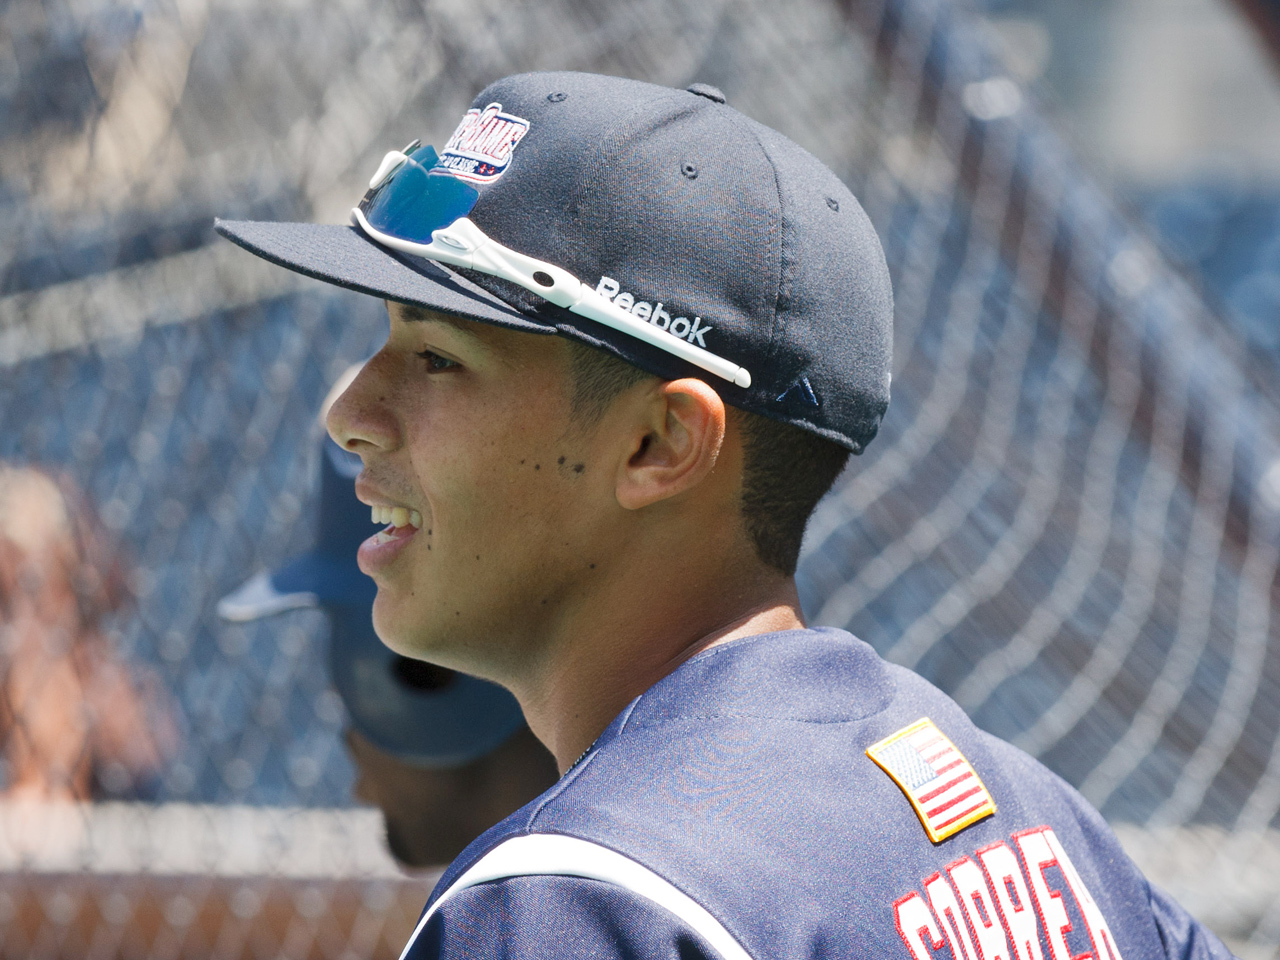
<point>686,426</point>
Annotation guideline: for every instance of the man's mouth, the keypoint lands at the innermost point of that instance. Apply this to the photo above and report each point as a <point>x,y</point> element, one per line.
<point>400,522</point>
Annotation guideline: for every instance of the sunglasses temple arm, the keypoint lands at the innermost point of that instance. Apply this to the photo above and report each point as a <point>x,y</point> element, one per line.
<point>566,290</point>
<point>595,307</point>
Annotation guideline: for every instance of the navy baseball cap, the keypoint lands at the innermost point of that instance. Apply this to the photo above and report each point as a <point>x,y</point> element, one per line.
<point>675,207</point>
<point>421,714</point>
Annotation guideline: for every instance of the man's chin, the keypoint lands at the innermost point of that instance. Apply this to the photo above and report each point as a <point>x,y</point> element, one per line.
<point>404,634</point>
<point>393,624</point>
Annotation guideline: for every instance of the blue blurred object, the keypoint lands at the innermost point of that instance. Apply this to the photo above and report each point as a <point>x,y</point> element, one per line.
<point>421,714</point>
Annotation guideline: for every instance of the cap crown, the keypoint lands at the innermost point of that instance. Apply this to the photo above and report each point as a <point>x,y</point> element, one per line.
<point>704,216</point>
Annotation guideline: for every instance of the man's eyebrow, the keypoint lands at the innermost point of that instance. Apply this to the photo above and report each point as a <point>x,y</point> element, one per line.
<point>411,314</point>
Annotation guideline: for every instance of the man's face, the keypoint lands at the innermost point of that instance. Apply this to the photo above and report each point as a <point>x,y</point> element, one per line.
<point>469,426</point>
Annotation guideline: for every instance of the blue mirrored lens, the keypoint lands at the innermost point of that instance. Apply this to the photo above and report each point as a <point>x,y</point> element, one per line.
<point>412,202</point>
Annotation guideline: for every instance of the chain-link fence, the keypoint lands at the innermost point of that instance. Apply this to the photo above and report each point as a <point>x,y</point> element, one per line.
<point>1069,520</point>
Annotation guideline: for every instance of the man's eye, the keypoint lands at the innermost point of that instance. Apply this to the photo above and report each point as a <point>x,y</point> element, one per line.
<point>435,362</point>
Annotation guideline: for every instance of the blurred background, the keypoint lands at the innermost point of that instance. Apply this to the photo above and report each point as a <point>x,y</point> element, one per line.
<point>1070,520</point>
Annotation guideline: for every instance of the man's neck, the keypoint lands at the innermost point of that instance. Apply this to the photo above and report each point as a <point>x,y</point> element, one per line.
<point>587,682</point>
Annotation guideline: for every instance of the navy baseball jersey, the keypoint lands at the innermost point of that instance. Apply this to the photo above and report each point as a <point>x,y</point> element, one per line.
<point>792,795</point>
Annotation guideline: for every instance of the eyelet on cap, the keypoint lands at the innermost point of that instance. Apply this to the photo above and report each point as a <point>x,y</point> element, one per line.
<point>833,203</point>
<point>557,97</point>
<point>689,170</point>
<point>706,90</point>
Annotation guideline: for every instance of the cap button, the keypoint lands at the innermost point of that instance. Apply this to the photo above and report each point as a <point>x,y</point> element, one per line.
<point>708,91</point>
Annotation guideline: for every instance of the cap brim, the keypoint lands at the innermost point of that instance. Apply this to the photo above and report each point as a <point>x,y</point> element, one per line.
<point>344,256</point>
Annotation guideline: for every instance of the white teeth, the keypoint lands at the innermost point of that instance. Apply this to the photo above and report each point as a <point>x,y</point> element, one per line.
<point>395,516</point>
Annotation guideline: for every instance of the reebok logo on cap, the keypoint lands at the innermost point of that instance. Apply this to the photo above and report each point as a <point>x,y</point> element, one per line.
<point>684,328</point>
<point>480,149</point>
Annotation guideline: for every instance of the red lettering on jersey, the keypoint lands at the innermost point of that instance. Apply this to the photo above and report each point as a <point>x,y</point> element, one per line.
<point>914,921</point>
<point>1104,944</point>
<point>1038,857</point>
<point>963,902</point>
<point>947,909</point>
<point>1005,875</point>
<point>979,910</point>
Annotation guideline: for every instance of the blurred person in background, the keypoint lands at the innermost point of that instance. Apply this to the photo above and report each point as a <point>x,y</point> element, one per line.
<point>443,755</point>
<point>76,722</point>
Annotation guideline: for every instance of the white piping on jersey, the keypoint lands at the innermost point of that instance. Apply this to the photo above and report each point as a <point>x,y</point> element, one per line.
<point>555,855</point>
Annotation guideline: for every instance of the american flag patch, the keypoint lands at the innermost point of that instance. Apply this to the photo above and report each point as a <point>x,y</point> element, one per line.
<point>941,785</point>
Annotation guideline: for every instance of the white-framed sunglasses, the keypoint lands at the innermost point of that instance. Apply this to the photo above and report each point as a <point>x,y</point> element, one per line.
<point>417,208</point>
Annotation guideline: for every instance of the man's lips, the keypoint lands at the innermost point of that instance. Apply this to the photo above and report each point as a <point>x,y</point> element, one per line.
<point>383,547</point>
<point>385,506</point>
<point>401,524</point>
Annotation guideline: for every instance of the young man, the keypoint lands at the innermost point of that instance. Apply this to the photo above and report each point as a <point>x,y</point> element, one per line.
<point>607,521</point>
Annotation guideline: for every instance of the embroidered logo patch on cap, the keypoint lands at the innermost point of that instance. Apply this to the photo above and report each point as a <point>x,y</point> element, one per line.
<point>941,785</point>
<point>480,149</point>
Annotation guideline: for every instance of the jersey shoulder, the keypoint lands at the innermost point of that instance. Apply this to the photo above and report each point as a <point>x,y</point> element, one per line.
<point>533,884</point>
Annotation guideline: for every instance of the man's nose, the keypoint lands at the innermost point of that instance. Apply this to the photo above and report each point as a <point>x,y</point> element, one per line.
<point>360,419</point>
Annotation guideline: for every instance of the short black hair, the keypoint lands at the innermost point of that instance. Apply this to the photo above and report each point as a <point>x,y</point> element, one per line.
<point>785,470</point>
<point>596,378</point>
